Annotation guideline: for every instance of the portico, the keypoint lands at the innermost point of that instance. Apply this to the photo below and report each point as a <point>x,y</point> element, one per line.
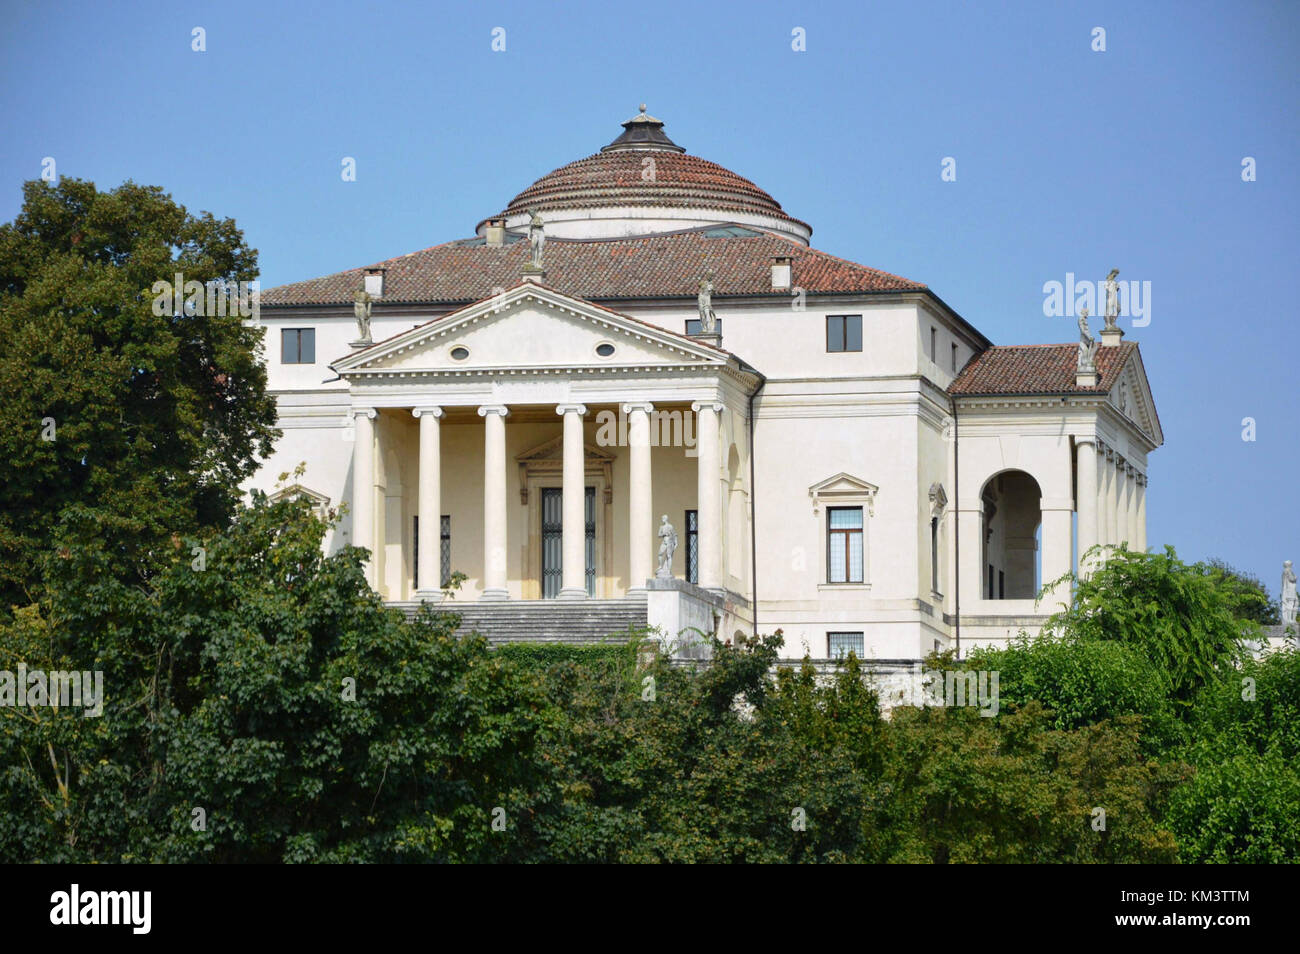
<point>600,442</point>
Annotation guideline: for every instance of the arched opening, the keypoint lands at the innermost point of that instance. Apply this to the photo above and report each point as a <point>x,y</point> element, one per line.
<point>1012,526</point>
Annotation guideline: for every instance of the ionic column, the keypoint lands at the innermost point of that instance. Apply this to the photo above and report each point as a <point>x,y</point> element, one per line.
<point>1129,504</point>
<point>640,514</point>
<point>494,501</point>
<point>707,493</point>
<point>573,566</point>
<point>429,503</point>
<point>1140,528</point>
<point>363,486</point>
<point>1121,500</point>
<point>1086,476</point>
<point>1112,497</point>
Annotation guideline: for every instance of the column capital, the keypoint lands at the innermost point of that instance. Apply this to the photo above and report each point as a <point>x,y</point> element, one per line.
<point>637,406</point>
<point>431,409</point>
<point>369,412</point>
<point>563,409</point>
<point>717,406</point>
<point>487,409</point>
<point>1081,439</point>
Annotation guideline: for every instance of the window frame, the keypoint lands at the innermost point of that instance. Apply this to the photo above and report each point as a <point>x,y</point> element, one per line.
<point>297,338</point>
<point>691,525</point>
<point>853,634</point>
<point>844,334</point>
<point>847,533</point>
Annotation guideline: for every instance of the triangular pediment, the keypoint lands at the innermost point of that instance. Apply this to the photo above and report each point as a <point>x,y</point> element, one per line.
<point>843,488</point>
<point>553,451</point>
<point>529,327</point>
<point>318,502</point>
<point>1131,397</point>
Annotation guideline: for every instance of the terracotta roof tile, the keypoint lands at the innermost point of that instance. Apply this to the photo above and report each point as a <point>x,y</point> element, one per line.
<point>657,266</point>
<point>679,180</point>
<point>1036,369</point>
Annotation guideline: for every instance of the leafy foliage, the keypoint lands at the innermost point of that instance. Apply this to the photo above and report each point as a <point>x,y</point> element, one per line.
<point>1173,613</point>
<point>156,420</point>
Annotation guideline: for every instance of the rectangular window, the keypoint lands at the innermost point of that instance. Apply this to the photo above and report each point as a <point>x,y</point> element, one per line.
<point>297,345</point>
<point>843,333</point>
<point>954,359</point>
<point>990,581</point>
<point>1002,585</point>
<point>445,544</point>
<point>934,554</point>
<point>839,645</point>
<point>934,354</point>
<point>693,326</point>
<point>844,545</point>
<point>692,546</point>
<point>445,549</point>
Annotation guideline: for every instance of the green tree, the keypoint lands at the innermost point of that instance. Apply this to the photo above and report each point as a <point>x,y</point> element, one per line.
<point>273,691</point>
<point>1176,615</point>
<point>1083,682</point>
<point>1248,595</point>
<point>149,423</point>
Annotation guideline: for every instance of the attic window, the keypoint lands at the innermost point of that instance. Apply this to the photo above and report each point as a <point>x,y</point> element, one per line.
<point>460,353</point>
<point>605,349</point>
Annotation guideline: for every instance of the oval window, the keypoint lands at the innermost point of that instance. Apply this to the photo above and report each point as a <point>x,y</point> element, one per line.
<point>605,350</point>
<point>460,354</point>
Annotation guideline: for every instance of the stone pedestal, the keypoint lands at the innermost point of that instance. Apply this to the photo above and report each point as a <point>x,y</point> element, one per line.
<point>1110,337</point>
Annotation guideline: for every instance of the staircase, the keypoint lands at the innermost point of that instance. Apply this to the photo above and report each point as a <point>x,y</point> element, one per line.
<point>546,621</point>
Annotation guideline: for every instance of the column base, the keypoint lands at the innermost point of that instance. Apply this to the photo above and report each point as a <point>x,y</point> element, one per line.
<point>429,596</point>
<point>571,594</point>
<point>494,595</point>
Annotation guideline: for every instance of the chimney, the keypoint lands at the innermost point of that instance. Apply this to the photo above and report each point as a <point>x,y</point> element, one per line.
<point>375,282</point>
<point>495,233</point>
<point>781,273</point>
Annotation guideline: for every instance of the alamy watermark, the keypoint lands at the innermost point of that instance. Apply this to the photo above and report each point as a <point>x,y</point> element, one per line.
<point>672,428</point>
<point>949,688</point>
<point>1130,299</point>
<point>213,298</point>
<point>57,689</point>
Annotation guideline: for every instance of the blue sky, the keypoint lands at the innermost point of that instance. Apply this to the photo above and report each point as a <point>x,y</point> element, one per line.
<point>1068,160</point>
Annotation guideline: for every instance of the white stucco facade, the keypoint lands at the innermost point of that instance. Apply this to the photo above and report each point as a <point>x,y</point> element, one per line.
<point>533,440</point>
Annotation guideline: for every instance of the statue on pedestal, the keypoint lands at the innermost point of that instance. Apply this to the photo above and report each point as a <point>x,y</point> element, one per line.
<point>667,547</point>
<point>536,240</point>
<point>361,309</point>
<point>1112,300</point>
<point>708,319</point>
<point>1087,344</point>
<point>1290,602</point>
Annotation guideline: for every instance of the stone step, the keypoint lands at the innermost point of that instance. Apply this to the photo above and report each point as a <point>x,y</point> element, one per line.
<point>546,621</point>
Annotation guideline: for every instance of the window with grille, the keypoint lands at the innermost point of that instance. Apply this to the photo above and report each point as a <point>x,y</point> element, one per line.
<point>844,545</point>
<point>839,645</point>
<point>444,545</point>
<point>692,546</point>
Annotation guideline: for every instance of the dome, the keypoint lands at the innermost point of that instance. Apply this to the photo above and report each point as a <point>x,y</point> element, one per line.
<point>643,183</point>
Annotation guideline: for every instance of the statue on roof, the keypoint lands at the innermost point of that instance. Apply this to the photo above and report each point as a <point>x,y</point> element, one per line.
<point>708,319</point>
<point>361,309</point>
<point>1087,344</point>
<point>536,239</point>
<point>1290,602</point>
<point>1112,299</point>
